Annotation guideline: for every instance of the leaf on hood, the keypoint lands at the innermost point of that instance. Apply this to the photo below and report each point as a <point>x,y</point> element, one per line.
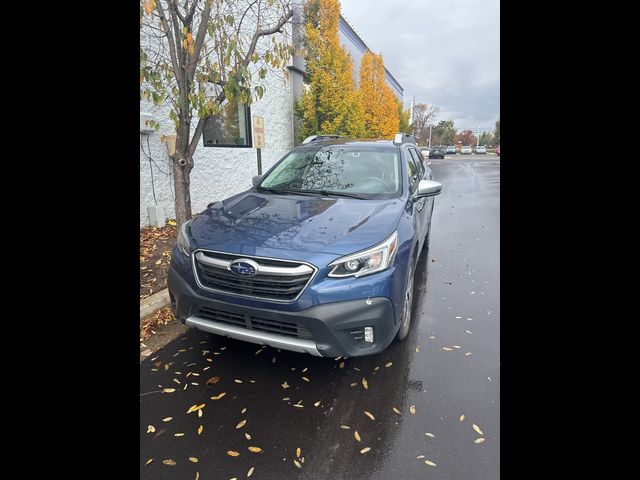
<point>365,449</point>
<point>429,462</point>
<point>285,385</point>
<point>199,413</point>
<point>244,410</point>
<point>397,411</point>
<point>430,435</point>
<point>231,453</point>
<point>297,463</point>
<point>357,435</point>
<point>365,384</point>
<point>168,390</point>
<point>200,428</point>
<point>170,462</point>
<point>213,380</point>
<point>178,434</point>
<point>345,427</point>
<point>298,452</point>
<point>353,384</point>
<point>237,381</point>
<point>461,418</point>
<point>195,408</point>
<point>197,476</point>
<point>412,409</point>
<point>317,404</point>
<point>388,364</point>
<point>167,419</point>
<point>420,457</point>
<point>255,449</point>
<point>477,429</point>
<point>478,440</point>
<point>447,349</point>
<point>247,436</point>
<point>306,379</point>
<point>241,424</point>
<point>149,461</point>
<point>218,397</point>
<point>151,429</point>
<point>250,472</point>
<point>341,365</point>
<point>193,459</point>
<point>369,415</point>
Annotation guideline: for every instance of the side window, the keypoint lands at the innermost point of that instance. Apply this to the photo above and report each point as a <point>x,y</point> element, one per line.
<point>414,173</point>
<point>419,159</point>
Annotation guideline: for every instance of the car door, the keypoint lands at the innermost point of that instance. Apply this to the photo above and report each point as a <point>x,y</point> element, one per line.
<point>415,171</point>
<point>427,208</point>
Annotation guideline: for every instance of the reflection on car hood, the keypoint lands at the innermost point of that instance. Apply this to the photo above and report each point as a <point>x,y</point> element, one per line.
<point>252,221</point>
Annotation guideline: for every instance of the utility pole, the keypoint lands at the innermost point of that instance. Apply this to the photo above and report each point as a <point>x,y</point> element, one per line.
<point>411,116</point>
<point>429,136</point>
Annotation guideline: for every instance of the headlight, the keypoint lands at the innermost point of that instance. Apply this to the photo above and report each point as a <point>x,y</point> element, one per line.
<point>183,243</point>
<point>373,260</point>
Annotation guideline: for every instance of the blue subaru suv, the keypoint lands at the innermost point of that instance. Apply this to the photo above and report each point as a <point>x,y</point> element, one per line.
<point>318,256</point>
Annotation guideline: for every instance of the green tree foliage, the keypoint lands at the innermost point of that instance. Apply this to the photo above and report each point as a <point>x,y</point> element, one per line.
<point>330,103</point>
<point>195,55</point>
<point>403,117</point>
<point>443,133</point>
<point>496,133</point>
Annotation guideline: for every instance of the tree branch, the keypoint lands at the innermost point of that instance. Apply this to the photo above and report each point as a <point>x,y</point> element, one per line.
<point>199,40</point>
<point>261,33</point>
<point>173,52</point>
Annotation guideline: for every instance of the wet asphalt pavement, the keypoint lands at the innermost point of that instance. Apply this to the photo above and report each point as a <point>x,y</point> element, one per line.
<point>447,370</point>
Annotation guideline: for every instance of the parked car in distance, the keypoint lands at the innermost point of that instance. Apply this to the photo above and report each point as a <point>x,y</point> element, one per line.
<point>451,150</point>
<point>425,152</point>
<point>481,149</point>
<point>437,152</point>
<point>466,150</point>
<point>318,257</point>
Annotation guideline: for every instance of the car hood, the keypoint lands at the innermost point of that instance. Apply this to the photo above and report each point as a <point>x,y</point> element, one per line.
<point>254,223</point>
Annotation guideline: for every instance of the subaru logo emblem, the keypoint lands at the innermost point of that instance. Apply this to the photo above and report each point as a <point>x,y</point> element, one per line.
<point>244,267</point>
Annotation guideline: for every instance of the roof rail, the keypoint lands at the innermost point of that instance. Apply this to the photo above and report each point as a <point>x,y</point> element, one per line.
<point>314,138</point>
<point>401,138</point>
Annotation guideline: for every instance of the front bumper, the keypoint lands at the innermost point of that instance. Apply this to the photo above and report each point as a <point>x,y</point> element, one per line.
<point>331,325</point>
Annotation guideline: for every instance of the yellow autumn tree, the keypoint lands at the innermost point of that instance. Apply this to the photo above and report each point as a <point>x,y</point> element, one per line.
<point>330,103</point>
<point>380,106</point>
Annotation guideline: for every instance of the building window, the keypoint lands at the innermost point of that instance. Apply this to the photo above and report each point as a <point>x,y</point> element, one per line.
<point>229,128</point>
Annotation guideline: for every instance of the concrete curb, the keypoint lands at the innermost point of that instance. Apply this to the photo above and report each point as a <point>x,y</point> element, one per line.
<point>153,303</point>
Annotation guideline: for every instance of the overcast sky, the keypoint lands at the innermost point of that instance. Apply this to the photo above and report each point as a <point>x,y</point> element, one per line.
<point>445,52</point>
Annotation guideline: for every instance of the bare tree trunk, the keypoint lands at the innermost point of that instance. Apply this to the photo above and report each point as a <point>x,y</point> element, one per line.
<point>182,166</point>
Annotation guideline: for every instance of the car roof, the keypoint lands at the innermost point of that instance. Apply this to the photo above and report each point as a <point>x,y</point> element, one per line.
<point>363,142</point>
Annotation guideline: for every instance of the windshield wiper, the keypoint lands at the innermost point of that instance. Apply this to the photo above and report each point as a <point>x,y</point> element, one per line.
<point>340,194</point>
<point>284,191</point>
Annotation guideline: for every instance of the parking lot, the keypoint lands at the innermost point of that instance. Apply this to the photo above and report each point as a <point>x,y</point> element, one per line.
<point>429,407</point>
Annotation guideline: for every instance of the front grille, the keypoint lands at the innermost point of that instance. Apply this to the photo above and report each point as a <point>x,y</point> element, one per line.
<point>277,284</point>
<point>290,329</point>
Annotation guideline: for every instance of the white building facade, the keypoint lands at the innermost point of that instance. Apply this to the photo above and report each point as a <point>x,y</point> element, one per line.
<point>220,172</point>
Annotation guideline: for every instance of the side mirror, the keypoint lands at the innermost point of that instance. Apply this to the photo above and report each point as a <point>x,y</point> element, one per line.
<point>428,188</point>
<point>256,179</point>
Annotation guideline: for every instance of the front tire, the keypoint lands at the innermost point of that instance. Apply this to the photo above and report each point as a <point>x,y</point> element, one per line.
<point>408,307</point>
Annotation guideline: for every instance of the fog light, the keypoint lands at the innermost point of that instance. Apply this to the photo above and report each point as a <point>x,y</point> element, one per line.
<point>368,334</point>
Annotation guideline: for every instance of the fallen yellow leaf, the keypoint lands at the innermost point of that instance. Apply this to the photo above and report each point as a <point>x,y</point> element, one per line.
<point>357,435</point>
<point>297,463</point>
<point>365,384</point>
<point>168,390</point>
<point>477,429</point>
<point>197,476</point>
<point>285,385</point>
<point>149,461</point>
<point>317,404</point>
<point>193,459</point>
<point>195,408</point>
<point>247,436</point>
<point>365,449</point>
<point>250,472</point>
<point>341,364</point>
<point>388,364</point>
<point>397,411</point>
<point>241,424</point>
<point>461,418</point>
<point>151,429</point>
<point>478,440</point>
<point>200,413</point>
<point>178,434</point>
<point>169,462</point>
<point>298,452</point>
<point>412,409</point>
<point>447,349</point>
<point>306,379</point>
<point>430,435</point>
<point>420,457</point>
<point>167,419</point>
<point>231,453</point>
<point>429,462</point>
<point>218,397</point>
<point>255,449</point>
<point>345,427</point>
<point>369,415</point>
<point>243,410</point>
<point>200,428</point>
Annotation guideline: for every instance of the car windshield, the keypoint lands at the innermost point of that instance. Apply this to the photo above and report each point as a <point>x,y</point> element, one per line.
<point>361,171</point>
